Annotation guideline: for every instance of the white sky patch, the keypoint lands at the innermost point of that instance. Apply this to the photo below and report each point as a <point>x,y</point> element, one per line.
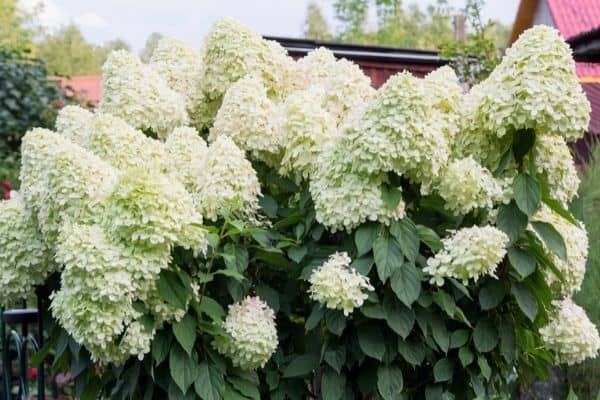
<point>90,20</point>
<point>49,14</point>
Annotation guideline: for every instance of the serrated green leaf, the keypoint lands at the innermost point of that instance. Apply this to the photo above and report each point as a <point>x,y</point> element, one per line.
<point>315,317</point>
<point>388,257</point>
<point>399,318</point>
<point>335,321</point>
<point>370,340</point>
<point>171,289</point>
<point>210,384</point>
<point>522,261</point>
<point>485,335</point>
<point>528,194</point>
<point>525,299</point>
<point>459,338</point>
<point>363,265</point>
<point>523,141</point>
<point>429,237</point>
<point>335,357</point>
<point>491,294</point>
<point>465,356</point>
<point>443,370</point>
<point>551,237</point>
<point>412,351</point>
<point>245,387</point>
<point>161,345</point>
<point>391,196</point>
<point>407,236</point>
<point>183,369</point>
<point>301,365</point>
<point>511,221</point>
<point>406,283</point>
<point>333,385</point>
<point>364,237</point>
<point>389,382</point>
<point>373,311</point>
<point>185,332</point>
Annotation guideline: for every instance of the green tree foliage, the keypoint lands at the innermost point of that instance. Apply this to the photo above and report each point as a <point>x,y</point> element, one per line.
<point>475,59</point>
<point>315,26</point>
<point>67,52</point>
<point>16,28</point>
<point>27,99</point>
<point>151,43</point>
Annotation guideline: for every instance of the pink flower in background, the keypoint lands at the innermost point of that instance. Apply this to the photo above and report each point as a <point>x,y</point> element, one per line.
<point>6,186</point>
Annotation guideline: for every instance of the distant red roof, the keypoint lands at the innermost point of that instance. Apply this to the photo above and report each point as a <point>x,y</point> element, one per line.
<point>85,87</point>
<point>573,17</point>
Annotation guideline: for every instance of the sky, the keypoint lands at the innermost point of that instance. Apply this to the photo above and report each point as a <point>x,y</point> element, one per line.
<point>134,20</point>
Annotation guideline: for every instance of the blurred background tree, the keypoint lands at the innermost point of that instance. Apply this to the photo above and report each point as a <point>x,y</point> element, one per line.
<point>391,23</point>
<point>150,46</point>
<point>316,26</point>
<point>17,29</point>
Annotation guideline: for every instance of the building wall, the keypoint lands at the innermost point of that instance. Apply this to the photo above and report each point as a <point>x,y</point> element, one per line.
<point>542,14</point>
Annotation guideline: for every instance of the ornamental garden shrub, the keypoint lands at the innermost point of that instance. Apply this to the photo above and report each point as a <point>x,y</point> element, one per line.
<point>234,224</point>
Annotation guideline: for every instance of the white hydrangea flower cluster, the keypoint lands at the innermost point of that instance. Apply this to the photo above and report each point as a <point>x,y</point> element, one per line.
<point>445,95</point>
<point>180,66</point>
<point>570,334</point>
<point>554,161</point>
<point>25,259</point>
<point>226,181</point>
<point>397,133</point>
<point>344,199</point>
<point>522,91</point>
<point>186,151</point>
<point>250,119</point>
<point>316,67</point>
<point>338,286</point>
<point>466,185</point>
<point>576,243</point>
<point>252,339</point>
<point>99,285</point>
<point>137,93</point>
<point>231,51</point>
<point>309,129</point>
<point>469,253</point>
<point>74,122</point>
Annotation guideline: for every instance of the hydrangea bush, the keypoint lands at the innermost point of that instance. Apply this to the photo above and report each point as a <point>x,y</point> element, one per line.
<point>234,224</point>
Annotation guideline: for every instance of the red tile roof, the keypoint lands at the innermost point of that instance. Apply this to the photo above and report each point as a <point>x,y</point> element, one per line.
<point>573,17</point>
<point>87,88</point>
<point>592,91</point>
<point>587,70</point>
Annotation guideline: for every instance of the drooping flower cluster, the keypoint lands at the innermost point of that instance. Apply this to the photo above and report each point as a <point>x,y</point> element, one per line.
<point>576,243</point>
<point>252,339</point>
<point>570,334</point>
<point>250,119</point>
<point>74,122</point>
<point>186,151</point>
<point>468,253</point>
<point>25,259</point>
<point>139,95</point>
<point>466,185</point>
<point>337,285</point>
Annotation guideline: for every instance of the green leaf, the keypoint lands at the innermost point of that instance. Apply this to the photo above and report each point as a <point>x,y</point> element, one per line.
<point>413,352</point>
<point>336,321</point>
<point>391,196</point>
<point>235,257</point>
<point>459,338</point>
<point>445,302</point>
<point>389,382</point>
<point>184,370</point>
<point>465,355</point>
<point>210,384</point>
<point>333,385</point>
<point>185,332</point>
<point>231,394</point>
<point>523,140</point>
<point>485,335</point>
<point>551,238</point>
<point>511,220</point>
<point>373,311</point>
<point>406,283</point>
<point>335,358</point>
<point>211,308</point>
<point>363,265</point>
<point>315,317</point>
<point>491,294</point>
<point>503,163</point>
<point>486,371</point>
<point>172,290</point>
<point>296,254</point>
<point>161,345</point>
<point>429,237</point>
<point>231,273</point>
<point>364,237</point>
<point>388,257</point>
<point>301,365</point>
<point>528,194</point>
<point>525,299</point>
<point>522,261</point>
<point>245,387</point>
<point>507,340</point>
<point>572,395</point>
<point>370,340</point>
<point>268,205</point>
<point>443,370</point>
<point>407,236</point>
<point>440,332</point>
<point>399,318</point>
